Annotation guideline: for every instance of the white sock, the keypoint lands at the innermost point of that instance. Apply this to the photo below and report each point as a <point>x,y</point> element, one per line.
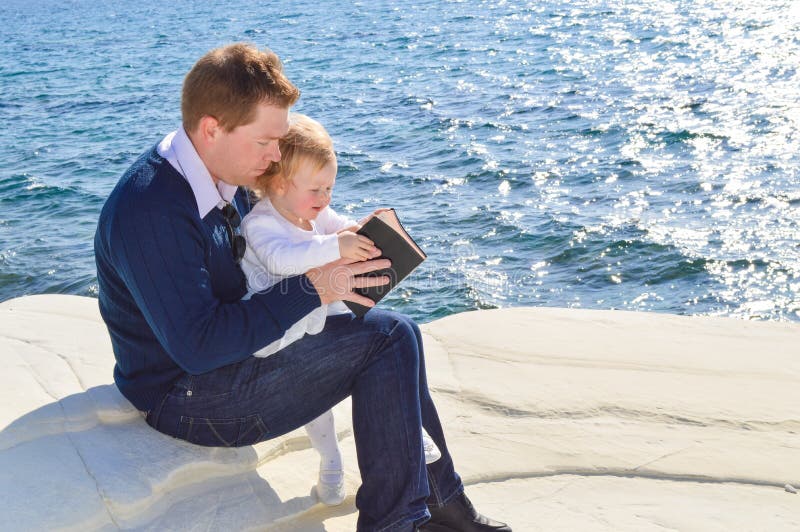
<point>322,433</point>
<point>432,452</point>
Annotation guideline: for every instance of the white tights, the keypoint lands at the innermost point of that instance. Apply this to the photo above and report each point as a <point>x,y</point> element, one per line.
<point>322,434</point>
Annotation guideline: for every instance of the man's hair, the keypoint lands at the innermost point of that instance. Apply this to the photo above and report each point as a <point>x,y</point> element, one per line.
<point>306,142</point>
<point>229,82</point>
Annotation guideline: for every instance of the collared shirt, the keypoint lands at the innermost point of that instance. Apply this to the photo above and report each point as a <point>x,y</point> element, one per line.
<point>178,149</point>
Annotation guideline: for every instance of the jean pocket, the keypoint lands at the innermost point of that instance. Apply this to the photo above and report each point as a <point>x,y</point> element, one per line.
<point>233,432</point>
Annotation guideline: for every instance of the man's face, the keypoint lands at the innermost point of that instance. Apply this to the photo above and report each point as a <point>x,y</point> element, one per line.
<point>240,156</point>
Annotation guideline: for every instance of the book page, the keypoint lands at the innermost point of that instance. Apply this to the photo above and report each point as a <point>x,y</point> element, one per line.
<point>390,218</point>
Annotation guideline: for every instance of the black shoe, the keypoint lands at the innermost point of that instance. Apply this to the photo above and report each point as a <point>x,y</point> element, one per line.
<point>459,515</point>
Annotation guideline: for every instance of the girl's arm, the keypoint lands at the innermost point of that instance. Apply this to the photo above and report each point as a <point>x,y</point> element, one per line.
<point>351,245</point>
<point>329,222</point>
<point>279,255</point>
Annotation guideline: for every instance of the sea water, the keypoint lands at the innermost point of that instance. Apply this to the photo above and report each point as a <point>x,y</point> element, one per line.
<point>637,155</point>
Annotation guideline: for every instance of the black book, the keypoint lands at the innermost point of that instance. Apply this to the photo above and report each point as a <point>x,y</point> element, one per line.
<point>388,234</point>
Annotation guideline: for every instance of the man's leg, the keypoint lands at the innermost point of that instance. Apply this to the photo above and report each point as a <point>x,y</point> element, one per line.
<point>451,510</point>
<point>376,360</point>
<point>444,482</point>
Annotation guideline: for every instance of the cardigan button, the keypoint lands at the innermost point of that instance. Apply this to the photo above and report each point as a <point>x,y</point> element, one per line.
<point>188,393</point>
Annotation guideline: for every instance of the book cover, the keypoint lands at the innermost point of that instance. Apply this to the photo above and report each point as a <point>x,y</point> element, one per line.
<point>388,234</point>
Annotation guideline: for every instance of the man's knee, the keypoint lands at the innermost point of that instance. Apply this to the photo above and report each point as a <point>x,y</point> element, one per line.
<point>390,323</point>
<point>409,328</point>
<point>403,328</point>
<point>399,331</point>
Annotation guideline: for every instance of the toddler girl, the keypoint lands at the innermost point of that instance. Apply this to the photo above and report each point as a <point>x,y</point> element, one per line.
<point>291,230</point>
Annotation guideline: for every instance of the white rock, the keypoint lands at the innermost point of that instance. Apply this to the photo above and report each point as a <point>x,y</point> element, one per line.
<point>557,420</point>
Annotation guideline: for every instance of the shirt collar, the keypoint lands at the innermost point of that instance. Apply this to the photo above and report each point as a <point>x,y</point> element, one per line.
<point>178,149</point>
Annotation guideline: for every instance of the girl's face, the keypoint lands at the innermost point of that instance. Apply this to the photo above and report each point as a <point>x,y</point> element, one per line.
<point>306,194</point>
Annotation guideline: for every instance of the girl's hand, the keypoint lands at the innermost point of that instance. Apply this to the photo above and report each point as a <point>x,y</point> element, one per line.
<point>377,212</point>
<point>352,229</point>
<point>356,247</point>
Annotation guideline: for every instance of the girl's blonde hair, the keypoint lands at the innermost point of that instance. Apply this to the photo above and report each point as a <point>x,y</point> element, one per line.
<point>306,142</point>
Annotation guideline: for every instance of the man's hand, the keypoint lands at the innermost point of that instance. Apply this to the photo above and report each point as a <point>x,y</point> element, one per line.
<point>336,280</point>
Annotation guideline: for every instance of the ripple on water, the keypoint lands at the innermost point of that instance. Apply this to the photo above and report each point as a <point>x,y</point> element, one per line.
<point>548,153</point>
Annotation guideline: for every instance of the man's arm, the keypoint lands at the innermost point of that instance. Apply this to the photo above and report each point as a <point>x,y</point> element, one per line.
<point>160,254</point>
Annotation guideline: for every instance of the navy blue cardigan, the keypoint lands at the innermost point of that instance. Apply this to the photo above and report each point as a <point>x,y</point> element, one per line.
<point>169,288</point>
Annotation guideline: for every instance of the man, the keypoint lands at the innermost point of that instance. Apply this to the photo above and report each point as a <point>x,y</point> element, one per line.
<point>167,253</point>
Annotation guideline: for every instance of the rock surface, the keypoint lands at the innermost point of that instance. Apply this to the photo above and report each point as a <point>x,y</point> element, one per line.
<point>557,420</point>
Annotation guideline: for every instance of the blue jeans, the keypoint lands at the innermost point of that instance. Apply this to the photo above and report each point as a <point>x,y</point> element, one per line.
<point>378,361</point>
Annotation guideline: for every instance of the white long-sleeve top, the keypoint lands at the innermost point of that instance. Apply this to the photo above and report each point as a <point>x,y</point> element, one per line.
<point>277,249</point>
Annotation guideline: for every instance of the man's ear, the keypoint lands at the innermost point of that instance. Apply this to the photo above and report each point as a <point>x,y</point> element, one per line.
<point>209,129</point>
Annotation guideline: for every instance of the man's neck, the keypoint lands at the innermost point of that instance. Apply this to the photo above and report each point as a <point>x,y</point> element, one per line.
<point>179,149</point>
<point>201,152</point>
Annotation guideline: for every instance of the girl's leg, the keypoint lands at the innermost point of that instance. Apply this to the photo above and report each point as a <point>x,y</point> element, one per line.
<point>432,452</point>
<point>322,433</point>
